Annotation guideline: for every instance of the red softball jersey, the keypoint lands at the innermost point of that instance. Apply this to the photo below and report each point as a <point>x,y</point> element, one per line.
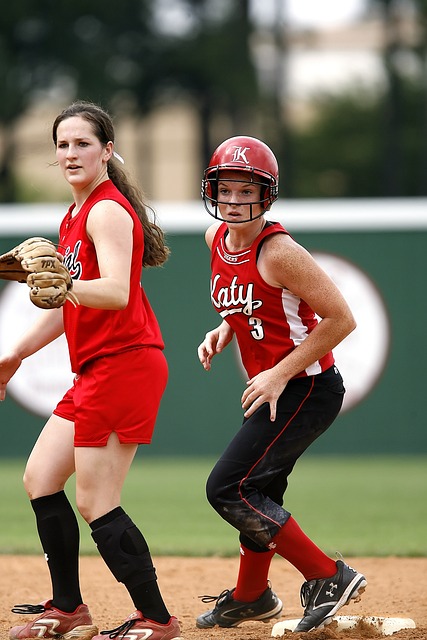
<point>269,322</point>
<point>92,333</point>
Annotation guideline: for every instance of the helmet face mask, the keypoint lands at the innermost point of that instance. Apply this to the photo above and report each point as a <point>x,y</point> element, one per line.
<point>242,155</point>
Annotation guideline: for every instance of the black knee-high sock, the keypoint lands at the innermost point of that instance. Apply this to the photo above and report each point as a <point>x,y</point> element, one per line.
<point>60,538</point>
<point>126,553</point>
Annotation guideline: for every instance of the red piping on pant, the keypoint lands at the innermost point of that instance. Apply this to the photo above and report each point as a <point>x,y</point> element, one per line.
<point>269,447</point>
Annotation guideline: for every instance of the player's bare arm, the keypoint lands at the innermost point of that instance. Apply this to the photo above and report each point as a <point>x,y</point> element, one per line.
<point>45,329</point>
<point>288,265</point>
<point>217,339</point>
<point>284,263</point>
<point>110,228</point>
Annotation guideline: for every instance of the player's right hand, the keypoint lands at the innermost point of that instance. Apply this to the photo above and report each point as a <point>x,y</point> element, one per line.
<point>9,364</point>
<point>215,341</point>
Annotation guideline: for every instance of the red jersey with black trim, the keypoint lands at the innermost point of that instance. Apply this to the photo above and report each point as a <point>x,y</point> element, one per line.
<point>269,322</point>
<point>92,333</point>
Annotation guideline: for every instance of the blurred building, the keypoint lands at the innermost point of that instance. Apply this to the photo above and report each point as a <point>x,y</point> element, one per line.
<point>306,63</point>
<point>162,151</point>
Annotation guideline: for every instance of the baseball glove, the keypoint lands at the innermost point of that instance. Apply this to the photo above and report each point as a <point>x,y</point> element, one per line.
<point>37,262</point>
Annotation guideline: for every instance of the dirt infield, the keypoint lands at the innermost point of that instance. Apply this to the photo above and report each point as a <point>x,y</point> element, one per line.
<point>397,587</point>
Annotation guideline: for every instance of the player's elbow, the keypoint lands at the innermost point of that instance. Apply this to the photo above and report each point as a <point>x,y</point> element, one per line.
<point>121,301</point>
<point>114,300</point>
<point>120,296</point>
<point>348,324</point>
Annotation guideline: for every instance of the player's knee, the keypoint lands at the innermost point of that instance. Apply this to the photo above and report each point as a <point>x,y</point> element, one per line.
<point>85,505</point>
<point>218,494</point>
<point>37,485</point>
<point>211,491</point>
<point>87,510</point>
<point>26,479</point>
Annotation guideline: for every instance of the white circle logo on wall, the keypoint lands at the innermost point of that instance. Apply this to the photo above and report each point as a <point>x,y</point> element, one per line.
<point>43,378</point>
<point>362,356</point>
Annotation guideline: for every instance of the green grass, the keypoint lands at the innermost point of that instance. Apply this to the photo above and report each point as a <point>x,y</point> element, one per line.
<point>371,506</point>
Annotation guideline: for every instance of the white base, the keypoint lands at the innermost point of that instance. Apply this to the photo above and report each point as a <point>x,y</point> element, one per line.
<point>387,626</point>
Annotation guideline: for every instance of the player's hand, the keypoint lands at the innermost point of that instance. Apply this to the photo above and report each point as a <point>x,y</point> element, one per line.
<point>264,387</point>
<point>215,341</point>
<point>9,364</point>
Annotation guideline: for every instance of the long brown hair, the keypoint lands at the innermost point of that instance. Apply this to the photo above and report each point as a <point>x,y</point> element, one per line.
<point>156,251</point>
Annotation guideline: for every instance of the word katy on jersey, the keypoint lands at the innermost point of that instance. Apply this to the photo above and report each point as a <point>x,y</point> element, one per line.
<point>235,298</point>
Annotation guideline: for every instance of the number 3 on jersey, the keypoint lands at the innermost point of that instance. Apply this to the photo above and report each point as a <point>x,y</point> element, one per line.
<point>257,331</point>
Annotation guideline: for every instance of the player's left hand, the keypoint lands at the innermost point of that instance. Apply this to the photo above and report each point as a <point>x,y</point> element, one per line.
<point>37,262</point>
<point>264,387</point>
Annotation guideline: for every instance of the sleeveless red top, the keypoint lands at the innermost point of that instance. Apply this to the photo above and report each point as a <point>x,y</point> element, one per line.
<point>269,322</point>
<point>92,333</point>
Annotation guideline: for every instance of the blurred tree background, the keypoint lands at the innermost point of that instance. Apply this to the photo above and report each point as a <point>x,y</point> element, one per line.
<point>215,54</point>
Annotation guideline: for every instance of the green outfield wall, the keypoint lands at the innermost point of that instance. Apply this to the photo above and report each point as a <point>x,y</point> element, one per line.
<point>381,242</point>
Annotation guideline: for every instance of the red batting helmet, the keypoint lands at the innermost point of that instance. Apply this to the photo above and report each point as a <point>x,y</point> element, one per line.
<point>242,153</point>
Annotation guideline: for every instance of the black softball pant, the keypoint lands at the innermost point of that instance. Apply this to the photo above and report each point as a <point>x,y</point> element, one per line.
<point>247,484</point>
